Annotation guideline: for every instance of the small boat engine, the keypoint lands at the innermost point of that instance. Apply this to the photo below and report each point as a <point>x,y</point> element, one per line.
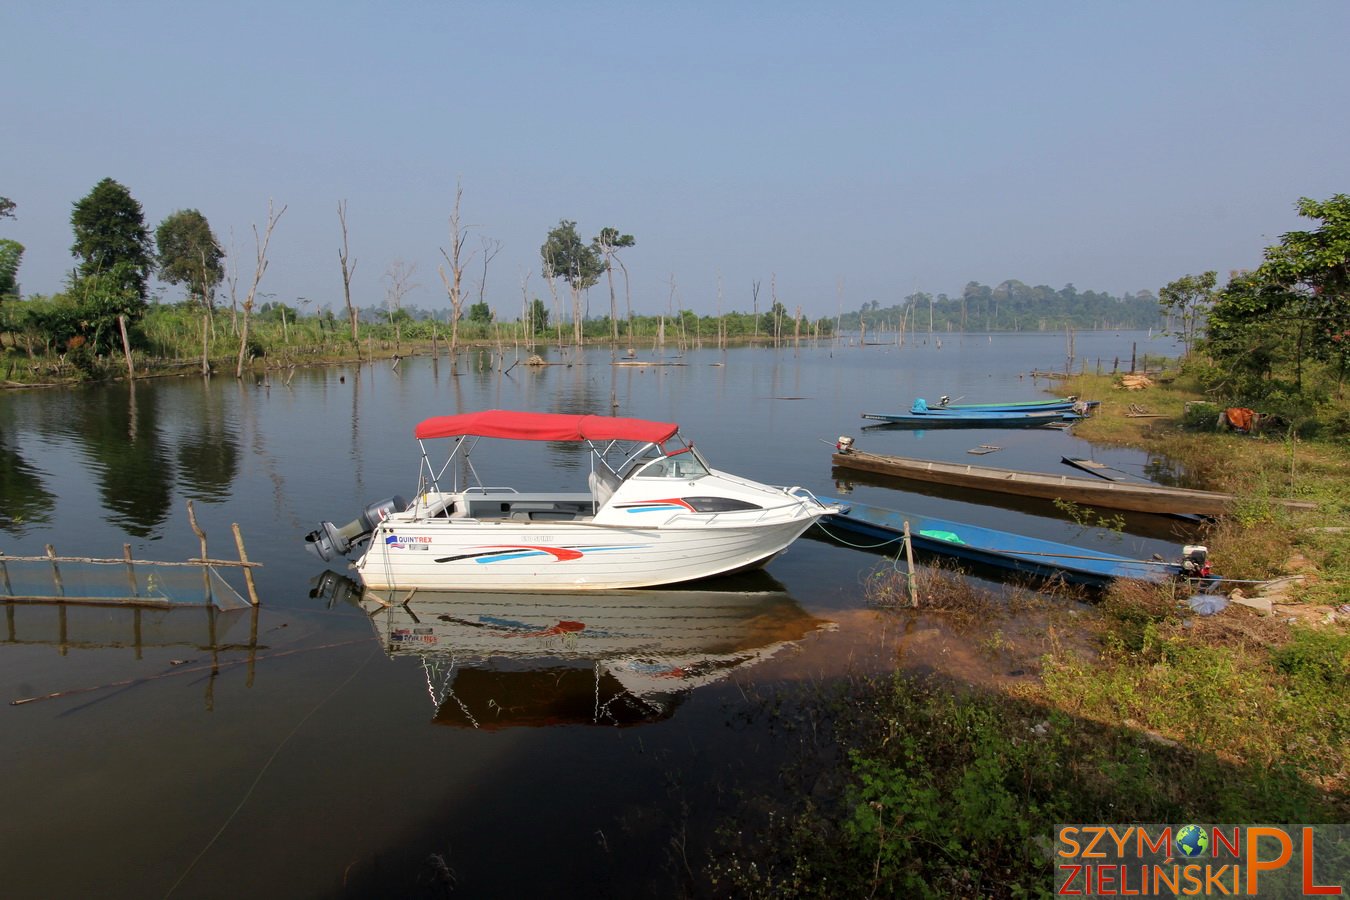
<point>1195,561</point>
<point>944,400</point>
<point>328,541</point>
<point>844,444</point>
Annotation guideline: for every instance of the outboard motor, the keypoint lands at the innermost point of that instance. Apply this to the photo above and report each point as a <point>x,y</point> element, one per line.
<point>844,444</point>
<point>328,541</point>
<point>1195,561</point>
<point>944,400</point>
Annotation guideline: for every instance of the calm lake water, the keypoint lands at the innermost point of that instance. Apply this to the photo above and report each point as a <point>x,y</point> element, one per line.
<point>299,759</point>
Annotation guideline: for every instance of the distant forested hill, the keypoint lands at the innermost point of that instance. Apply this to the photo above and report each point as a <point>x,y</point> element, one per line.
<point>1011,306</point>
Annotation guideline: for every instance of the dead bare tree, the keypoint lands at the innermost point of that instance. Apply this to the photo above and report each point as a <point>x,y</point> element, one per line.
<point>454,282</point>
<point>721,322</point>
<point>838,307</point>
<point>260,242</point>
<point>526,310</point>
<point>551,281</point>
<point>491,247</point>
<point>754,293</point>
<point>777,308</point>
<point>399,276</point>
<point>609,241</point>
<point>348,270</point>
<point>232,279</point>
<point>208,299</point>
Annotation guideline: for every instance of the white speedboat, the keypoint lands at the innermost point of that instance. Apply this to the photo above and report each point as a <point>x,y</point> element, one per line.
<point>655,513</point>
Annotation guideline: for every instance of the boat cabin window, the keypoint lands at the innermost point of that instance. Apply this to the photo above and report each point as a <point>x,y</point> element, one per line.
<point>684,466</point>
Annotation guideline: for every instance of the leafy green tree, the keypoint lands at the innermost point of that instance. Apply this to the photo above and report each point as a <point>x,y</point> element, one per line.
<point>1189,299</point>
<point>6,208</point>
<point>481,313</point>
<point>189,254</point>
<point>110,236</point>
<point>11,254</point>
<point>1296,305</point>
<point>567,257</point>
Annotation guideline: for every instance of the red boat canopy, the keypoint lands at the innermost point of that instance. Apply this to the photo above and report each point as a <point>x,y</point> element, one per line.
<point>532,426</point>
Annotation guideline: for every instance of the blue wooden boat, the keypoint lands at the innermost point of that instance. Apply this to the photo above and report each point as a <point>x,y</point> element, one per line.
<point>947,418</point>
<point>1004,550</point>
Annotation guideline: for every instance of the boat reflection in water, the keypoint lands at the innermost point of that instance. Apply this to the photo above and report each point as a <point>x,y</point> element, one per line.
<point>497,660</point>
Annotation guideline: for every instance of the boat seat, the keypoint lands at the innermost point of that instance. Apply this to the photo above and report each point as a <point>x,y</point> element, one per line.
<point>603,483</point>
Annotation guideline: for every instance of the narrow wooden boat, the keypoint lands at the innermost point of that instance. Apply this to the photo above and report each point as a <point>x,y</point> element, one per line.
<point>1059,403</point>
<point>941,418</point>
<point>1094,492</point>
<point>1111,473</point>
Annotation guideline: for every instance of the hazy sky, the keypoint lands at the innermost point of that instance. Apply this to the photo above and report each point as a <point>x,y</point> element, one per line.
<point>859,149</point>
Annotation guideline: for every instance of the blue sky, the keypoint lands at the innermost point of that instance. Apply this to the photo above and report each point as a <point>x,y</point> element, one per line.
<point>847,154</point>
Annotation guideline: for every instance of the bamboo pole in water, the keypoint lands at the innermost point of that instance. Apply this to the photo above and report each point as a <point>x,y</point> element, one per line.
<point>243,559</point>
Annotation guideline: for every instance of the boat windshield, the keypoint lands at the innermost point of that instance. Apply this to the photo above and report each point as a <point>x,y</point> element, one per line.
<point>684,465</point>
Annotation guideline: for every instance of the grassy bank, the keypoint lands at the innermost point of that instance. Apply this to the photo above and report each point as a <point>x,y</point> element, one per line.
<point>1131,708</point>
<point>1304,458</point>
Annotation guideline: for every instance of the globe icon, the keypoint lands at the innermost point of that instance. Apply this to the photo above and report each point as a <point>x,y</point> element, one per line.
<point>1192,841</point>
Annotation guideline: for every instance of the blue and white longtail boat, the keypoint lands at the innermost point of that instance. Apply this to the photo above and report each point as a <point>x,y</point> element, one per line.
<point>1013,552</point>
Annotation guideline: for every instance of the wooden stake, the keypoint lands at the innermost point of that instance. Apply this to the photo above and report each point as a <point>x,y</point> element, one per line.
<point>192,520</point>
<point>909,558</point>
<point>131,570</point>
<point>126,348</point>
<point>243,558</point>
<point>56,570</point>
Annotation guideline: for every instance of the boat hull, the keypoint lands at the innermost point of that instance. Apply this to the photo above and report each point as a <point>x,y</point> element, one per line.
<point>566,556</point>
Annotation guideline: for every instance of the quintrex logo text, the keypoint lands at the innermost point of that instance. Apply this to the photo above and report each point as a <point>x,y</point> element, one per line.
<point>1201,860</point>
